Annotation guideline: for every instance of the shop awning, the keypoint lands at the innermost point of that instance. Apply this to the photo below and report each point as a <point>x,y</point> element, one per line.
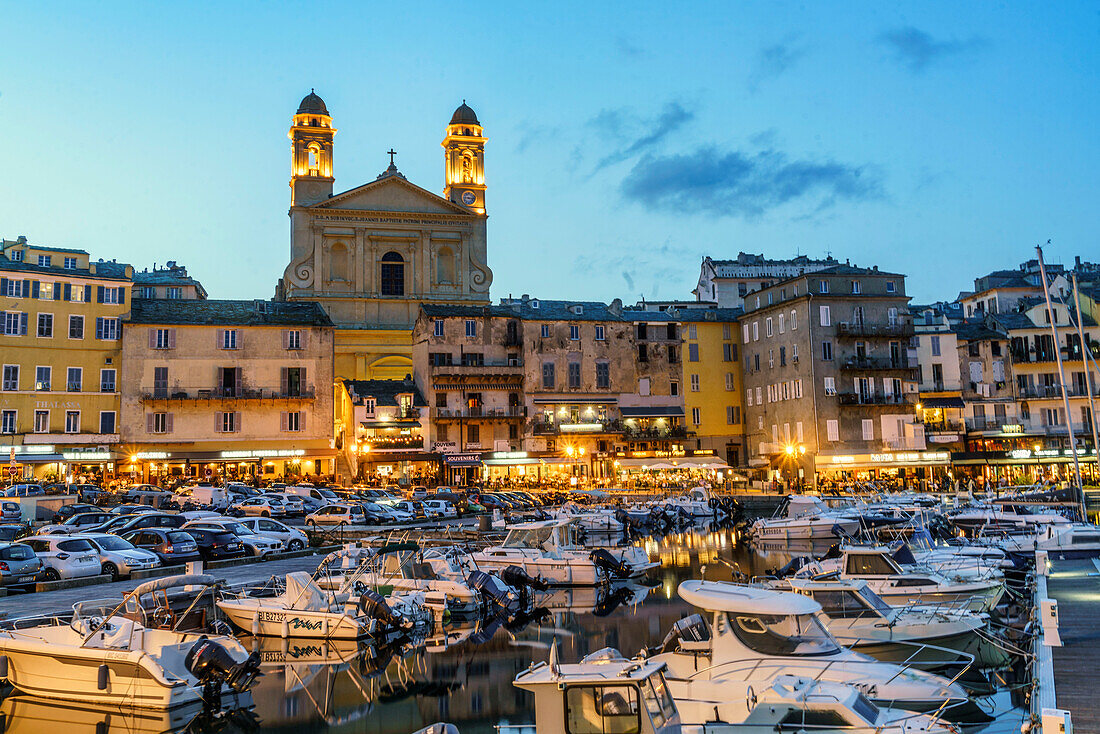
<point>653,411</point>
<point>949,402</point>
<point>674,462</point>
<point>577,400</point>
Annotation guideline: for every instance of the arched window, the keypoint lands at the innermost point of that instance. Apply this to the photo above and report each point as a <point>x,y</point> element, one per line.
<point>393,274</point>
<point>338,262</point>
<point>314,152</point>
<point>445,266</point>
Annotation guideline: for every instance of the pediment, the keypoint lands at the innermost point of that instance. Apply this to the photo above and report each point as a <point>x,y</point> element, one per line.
<point>392,194</point>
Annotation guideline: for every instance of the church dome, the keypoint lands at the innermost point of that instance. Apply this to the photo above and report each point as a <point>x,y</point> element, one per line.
<point>314,105</point>
<point>464,115</point>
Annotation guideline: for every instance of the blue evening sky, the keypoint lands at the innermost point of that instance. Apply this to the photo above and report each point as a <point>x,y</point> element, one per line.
<point>626,140</point>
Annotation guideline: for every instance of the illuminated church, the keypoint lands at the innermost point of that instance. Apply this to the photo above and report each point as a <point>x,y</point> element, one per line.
<point>372,254</point>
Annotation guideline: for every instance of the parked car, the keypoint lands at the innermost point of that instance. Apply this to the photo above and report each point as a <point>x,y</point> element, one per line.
<point>129,509</point>
<point>170,546</point>
<point>82,521</point>
<point>19,565</point>
<point>265,506</point>
<point>439,509</point>
<point>317,494</point>
<point>338,514</point>
<point>117,556</point>
<point>148,494</point>
<point>385,514</point>
<point>64,557</point>
<point>64,512</point>
<point>90,493</point>
<point>458,499</point>
<point>126,523</point>
<point>10,533</point>
<point>417,493</point>
<point>10,511</point>
<point>257,545</point>
<point>415,509</point>
<point>24,490</point>
<point>295,506</point>
<point>217,545</point>
<point>291,538</point>
<point>204,496</point>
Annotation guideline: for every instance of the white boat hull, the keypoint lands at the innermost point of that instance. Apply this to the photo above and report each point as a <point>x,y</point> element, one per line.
<point>253,617</point>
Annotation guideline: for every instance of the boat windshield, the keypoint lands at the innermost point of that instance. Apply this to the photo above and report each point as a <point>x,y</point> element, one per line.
<point>782,634</point>
<point>535,538</point>
<point>865,708</point>
<point>658,701</point>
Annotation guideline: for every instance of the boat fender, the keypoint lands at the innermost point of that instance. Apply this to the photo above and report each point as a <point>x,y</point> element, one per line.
<point>104,677</point>
<point>256,623</point>
<point>3,667</point>
<point>285,630</point>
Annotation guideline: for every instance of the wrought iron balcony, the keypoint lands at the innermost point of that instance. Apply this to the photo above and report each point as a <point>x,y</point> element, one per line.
<point>551,428</point>
<point>856,399</point>
<point>504,413</point>
<point>892,331</point>
<point>193,394</point>
<point>868,364</point>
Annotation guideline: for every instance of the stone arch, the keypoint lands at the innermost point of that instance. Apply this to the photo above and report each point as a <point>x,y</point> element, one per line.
<point>338,267</point>
<point>445,265</point>
<point>392,274</point>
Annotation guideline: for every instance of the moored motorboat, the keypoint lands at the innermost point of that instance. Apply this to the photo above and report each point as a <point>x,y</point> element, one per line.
<point>122,658</point>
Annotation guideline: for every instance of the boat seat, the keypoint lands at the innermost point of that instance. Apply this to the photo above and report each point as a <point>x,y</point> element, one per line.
<point>118,634</point>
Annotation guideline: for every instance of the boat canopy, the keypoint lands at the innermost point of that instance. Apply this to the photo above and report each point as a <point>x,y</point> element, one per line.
<point>723,596</point>
<point>170,582</point>
<point>303,594</point>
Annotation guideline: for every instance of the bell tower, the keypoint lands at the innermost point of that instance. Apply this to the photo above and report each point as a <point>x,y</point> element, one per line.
<point>311,152</point>
<point>464,149</point>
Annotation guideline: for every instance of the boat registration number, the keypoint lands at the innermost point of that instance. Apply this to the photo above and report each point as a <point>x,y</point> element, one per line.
<point>272,616</point>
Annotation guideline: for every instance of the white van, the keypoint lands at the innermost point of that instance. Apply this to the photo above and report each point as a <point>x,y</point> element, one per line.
<point>315,497</point>
<point>216,497</point>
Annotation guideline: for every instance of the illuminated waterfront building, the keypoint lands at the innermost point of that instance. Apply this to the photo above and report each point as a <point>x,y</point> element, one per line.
<point>59,348</point>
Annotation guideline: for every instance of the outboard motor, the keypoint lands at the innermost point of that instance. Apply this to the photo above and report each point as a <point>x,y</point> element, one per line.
<point>492,590</point>
<point>213,665</point>
<point>612,600</point>
<point>614,567</point>
<point>517,577</point>
<point>373,604</point>
<point>791,568</point>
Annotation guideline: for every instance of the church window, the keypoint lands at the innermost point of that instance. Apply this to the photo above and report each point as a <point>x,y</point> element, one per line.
<point>445,266</point>
<point>314,153</point>
<point>338,262</point>
<point>393,274</point>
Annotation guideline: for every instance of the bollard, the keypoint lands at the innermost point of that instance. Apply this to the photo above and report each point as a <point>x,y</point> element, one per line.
<point>484,524</point>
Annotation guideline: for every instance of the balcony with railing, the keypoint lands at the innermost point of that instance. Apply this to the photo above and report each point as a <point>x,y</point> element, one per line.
<point>944,426</point>
<point>1041,392</point>
<point>857,399</point>
<point>905,443</point>
<point>510,367</point>
<point>993,423</point>
<point>509,412</point>
<point>639,433</point>
<point>160,393</point>
<point>391,443</point>
<point>558,428</point>
<point>865,330</point>
<point>867,364</point>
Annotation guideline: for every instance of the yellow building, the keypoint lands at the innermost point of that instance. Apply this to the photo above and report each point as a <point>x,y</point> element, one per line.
<point>227,389</point>
<point>373,254</point>
<point>712,380</point>
<point>62,324</point>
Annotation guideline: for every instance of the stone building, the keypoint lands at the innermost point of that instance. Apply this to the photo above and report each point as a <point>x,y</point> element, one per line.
<point>830,385</point>
<point>227,389</point>
<point>170,282</point>
<point>381,427</point>
<point>62,315</point>
<point>373,254</point>
<point>727,282</point>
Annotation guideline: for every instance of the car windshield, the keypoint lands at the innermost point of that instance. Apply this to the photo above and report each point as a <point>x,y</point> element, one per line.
<point>75,545</point>
<point>238,529</point>
<point>781,634</point>
<point>180,537</point>
<point>328,494</point>
<point>113,543</point>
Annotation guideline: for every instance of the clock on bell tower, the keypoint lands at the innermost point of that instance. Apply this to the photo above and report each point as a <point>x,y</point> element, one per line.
<point>464,149</point>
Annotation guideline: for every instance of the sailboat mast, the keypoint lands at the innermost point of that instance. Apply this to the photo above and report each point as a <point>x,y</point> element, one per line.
<point>1086,355</point>
<point>1051,317</point>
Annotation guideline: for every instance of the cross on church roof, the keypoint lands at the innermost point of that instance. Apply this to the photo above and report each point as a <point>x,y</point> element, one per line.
<point>391,153</point>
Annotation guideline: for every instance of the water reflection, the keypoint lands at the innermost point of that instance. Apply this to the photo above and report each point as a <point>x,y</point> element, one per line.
<point>463,673</point>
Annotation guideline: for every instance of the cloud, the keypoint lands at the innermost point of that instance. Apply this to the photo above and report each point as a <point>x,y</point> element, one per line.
<point>672,117</point>
<point>774,61</point>
<point>743,184</point>
<point>916,49</point>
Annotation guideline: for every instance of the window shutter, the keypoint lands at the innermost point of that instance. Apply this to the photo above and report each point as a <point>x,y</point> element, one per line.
<point>283,419</point>
<point>217,422</point>
<point>23,323</point>
<point>168,422</point>
<point>87,294</point>
<point>237,422</point>
<point>68,291</point>
<point>152,338</point>
<point>237,380</point>
<point>282,382</point>
<point>303,386</point>
<point>121,294</point>
<point>286,338</point>
<point>99,327</point>
<point>35,286</point>
<point>302,420</point>
<point>171,338</point>
<point>219,338</point>
<point>303,339</point>
<point>3,287</point>
<point>99,294</point>
<point>26,292</point>
<point>238,339</point>
<point>148,422</point>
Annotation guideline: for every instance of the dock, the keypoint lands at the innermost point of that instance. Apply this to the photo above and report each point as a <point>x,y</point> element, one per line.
<point>1075,585</point>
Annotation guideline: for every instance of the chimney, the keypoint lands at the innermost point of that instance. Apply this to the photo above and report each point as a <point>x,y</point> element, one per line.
<point>615,308</point>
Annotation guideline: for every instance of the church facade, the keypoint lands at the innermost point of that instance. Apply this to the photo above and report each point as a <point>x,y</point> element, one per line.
<point>374,253</point>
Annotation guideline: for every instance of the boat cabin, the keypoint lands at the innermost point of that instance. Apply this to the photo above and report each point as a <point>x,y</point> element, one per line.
<point>844,598</point>
<point>543,535</point>
<point>739,618</point>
